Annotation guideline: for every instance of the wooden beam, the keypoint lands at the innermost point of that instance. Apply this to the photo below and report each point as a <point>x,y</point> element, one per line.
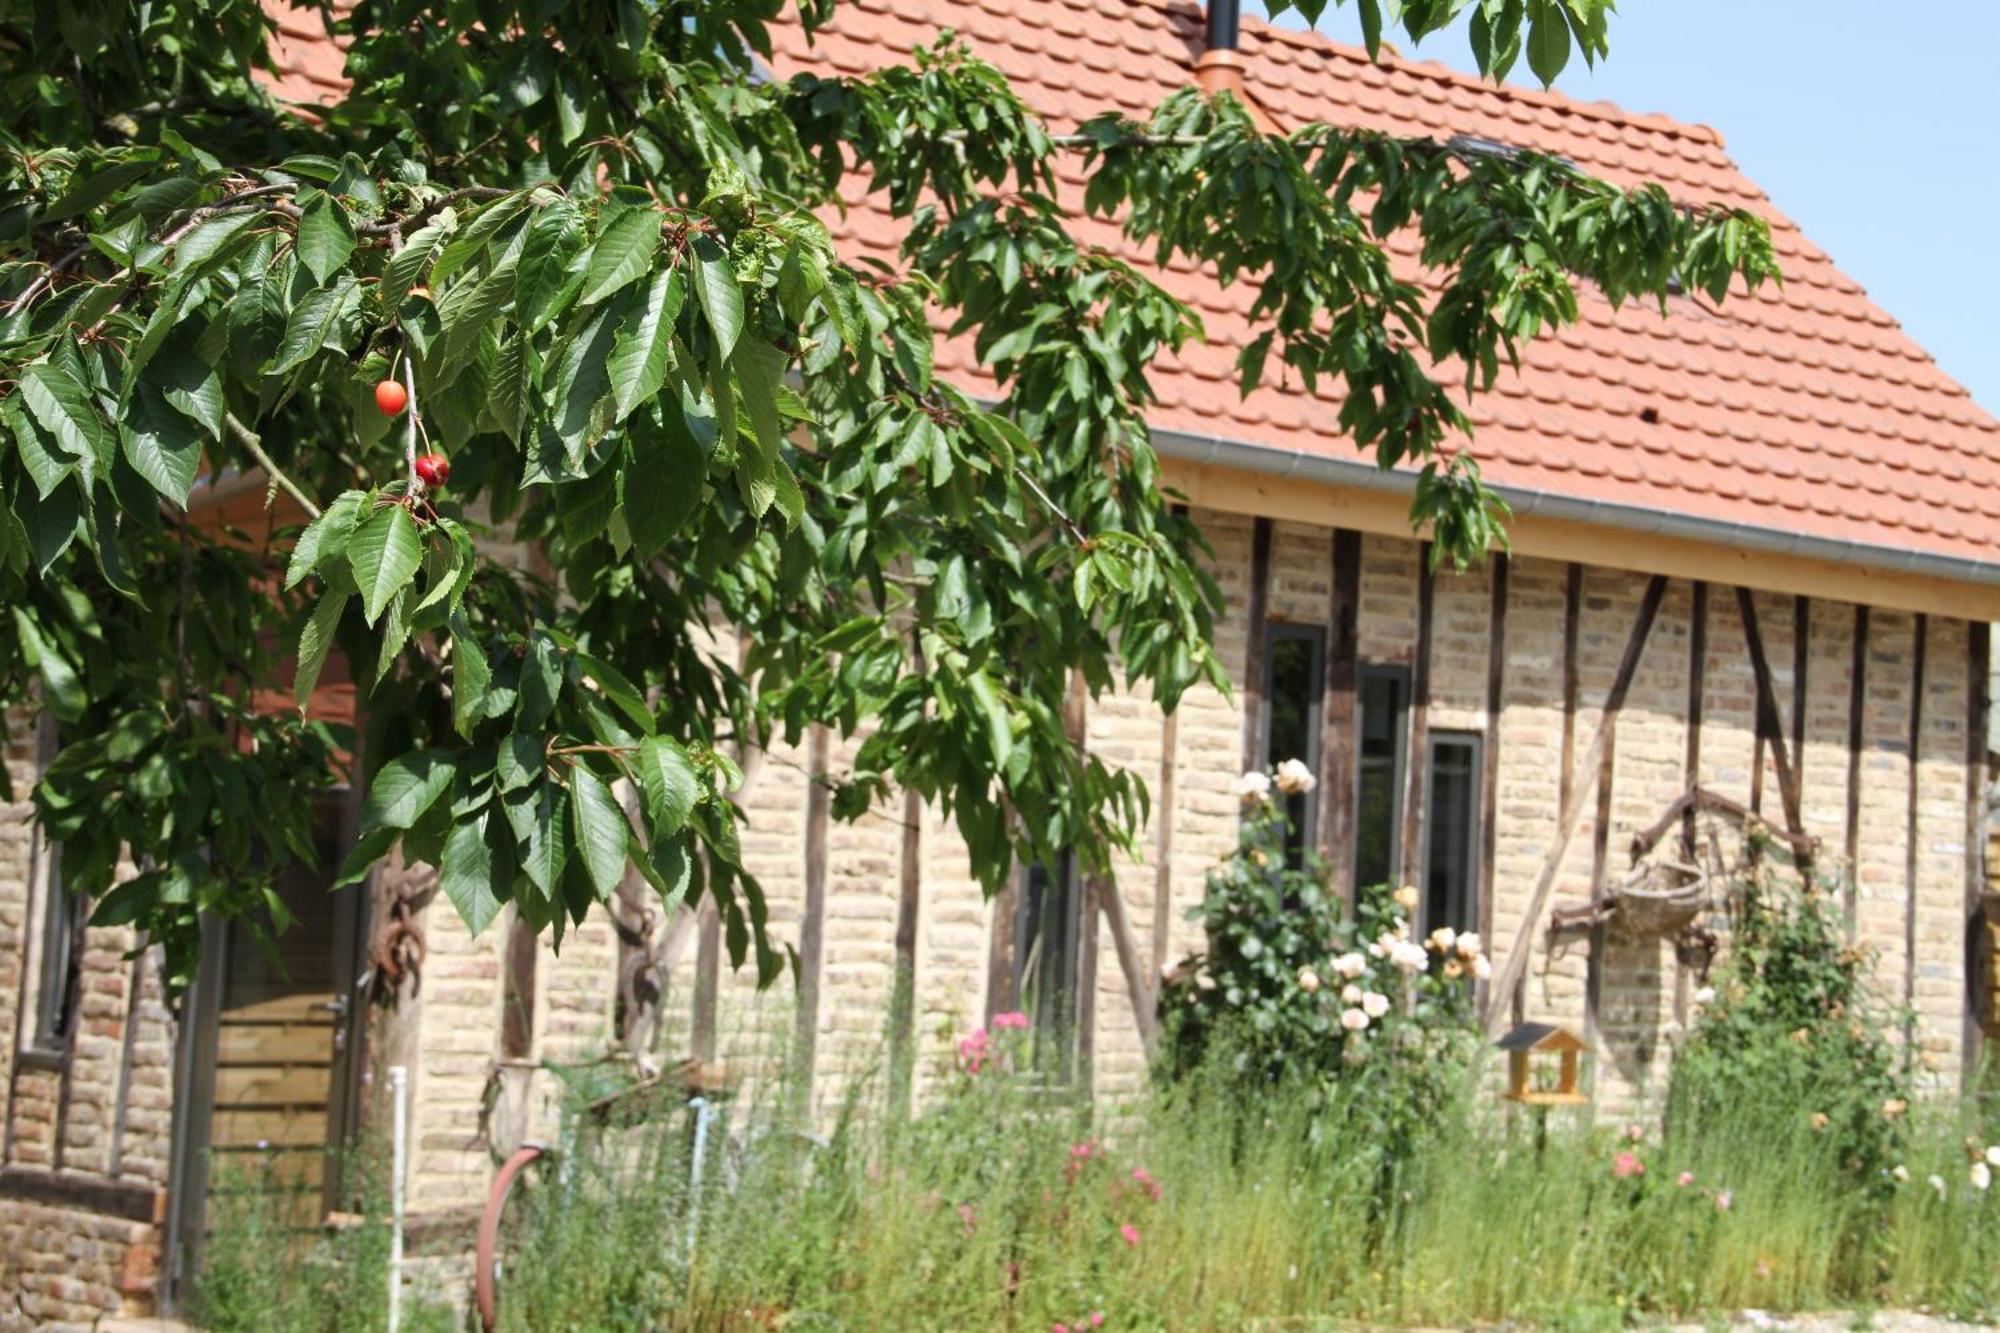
<point>1857,740</point>
<point>1769,726</point>
<point>1572,683</point>
<point>1912,845</point>
<point>707,979</point>
<point>1138,986</point>
<point>1075,723</point>
<point>1338,737</point>
<point>1801,676</point>
<point>909,899</point>
<point>128,1200</point>
<point>1163,842</point>
<point>812,919</point>
<point>1418,766</point>
<point>1516,965</point>
<point>1257,639</point>
<point>1600,857</point>
<point>1489,777</point>
<point>1978,672</point>
<point>517,990</point>
<point>1235,491</point>
<point>1001,993</point>
<point>1697,694</point>
<point>121,1105</point>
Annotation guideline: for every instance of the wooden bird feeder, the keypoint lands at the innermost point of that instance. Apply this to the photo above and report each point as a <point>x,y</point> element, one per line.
<point>1543,1039</point>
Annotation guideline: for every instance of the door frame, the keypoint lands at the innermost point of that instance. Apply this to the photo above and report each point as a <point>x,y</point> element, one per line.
<point>195,1054</point>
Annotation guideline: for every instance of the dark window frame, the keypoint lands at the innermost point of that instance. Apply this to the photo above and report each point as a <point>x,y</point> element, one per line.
<point>1305,819</point>
<point>1399,766</point>
<point>1474,743</point>
<point>1052,1037</point>
<point>58,956</point>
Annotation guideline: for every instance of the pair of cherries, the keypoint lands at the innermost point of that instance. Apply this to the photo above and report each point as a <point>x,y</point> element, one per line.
<point>391,398</point>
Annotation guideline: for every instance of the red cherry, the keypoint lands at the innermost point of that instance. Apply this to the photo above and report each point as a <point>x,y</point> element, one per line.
<point>433,469</point>
<point>390,396</point>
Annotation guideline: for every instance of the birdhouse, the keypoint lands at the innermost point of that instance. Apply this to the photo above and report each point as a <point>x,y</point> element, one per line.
<point>1529,1048</point>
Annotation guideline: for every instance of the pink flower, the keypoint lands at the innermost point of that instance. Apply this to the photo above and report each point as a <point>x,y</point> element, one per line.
<point>1626,1165</point>
<point>1129,1232</point>
<point>1097,1319</point>
<point>974,1050</point>
<point>1144,1179</point>
<point>1635,1133</point>
<point>1684,1179</point>
<point>1723,1200</point>
<point>1013,1019</point>
<point>1058,1328</point>
<point>1079,1157</point>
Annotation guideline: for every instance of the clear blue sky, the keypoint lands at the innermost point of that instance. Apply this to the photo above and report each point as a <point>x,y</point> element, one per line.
<point>1875,128</point>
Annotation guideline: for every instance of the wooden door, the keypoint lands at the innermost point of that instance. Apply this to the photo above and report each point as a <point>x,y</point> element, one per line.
<point>266,1089</point>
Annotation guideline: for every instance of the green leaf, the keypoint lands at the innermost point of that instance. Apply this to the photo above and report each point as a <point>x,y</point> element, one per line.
<point>407,265</point>
<point>61,685</point>
<point>321,321</point>
<point>541,682</point>
<point>191,385</point>
<point>161,445</point>
<point>99,186</point>
<point>645,343</point>
<point>470,676</point>
<point>466,311</point>
<point>600,829</point>
<point>384,554</point>
<point>542,828</point>
<point>314,642</point>
<point>64,407</point>
<point>721,299</point>
<point>465,872</point>
<point>407,786</point>
<point>325,538</point>
<point>663,481</point>
<point>368,849</point>
<point>326,237</point>
<point>668,779</point>
<point>760,368</point>
<point>1548,40</point>
<point>624,250</point>
<point>46,467</point>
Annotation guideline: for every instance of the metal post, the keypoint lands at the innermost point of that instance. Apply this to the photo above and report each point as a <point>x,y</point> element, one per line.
<point>703,1112</point>
<point>399,1098</point>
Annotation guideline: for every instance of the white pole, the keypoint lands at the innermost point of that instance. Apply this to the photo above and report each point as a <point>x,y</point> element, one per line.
<point>399,1098</point>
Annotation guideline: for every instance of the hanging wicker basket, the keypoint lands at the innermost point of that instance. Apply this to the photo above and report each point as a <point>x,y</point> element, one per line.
<point>1658,898</point>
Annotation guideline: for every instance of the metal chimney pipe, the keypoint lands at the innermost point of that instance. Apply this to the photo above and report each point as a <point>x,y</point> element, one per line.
<point>1220,66</point>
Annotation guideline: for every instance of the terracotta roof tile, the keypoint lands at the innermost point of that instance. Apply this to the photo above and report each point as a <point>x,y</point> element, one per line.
<point>1806,409</point>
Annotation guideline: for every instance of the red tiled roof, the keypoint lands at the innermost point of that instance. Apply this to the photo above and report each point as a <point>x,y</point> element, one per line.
<point>1803,411</point>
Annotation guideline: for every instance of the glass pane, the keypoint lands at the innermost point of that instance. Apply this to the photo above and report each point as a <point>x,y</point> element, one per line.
<point>1045,962</point>
<point>1453,821</point>
<point>1382,723</point>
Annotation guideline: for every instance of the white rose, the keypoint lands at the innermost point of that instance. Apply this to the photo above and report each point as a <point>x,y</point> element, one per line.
<point>1993,1155</point>
<point>1468,945</point>
<point>1902,1174</point>
<point>1982,1175</point>
<point>1308,980</point>
<point>1350,994</point>
<point>1350,965</point>
<point>1443,938</point>
<point>1410,957</point>
<point>1937,1183</point>
<point>1482,967</point>
<point>1353,1020</point>
<point>1706,995</point>
<point>1253,786</point>
<point>1374,1005</point>
<point>1295,778</point>
<point>1203,980</point>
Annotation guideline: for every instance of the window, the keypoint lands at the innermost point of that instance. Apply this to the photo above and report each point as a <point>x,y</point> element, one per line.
<point>61,934</point>
<point>1294,676</point>
<point>1378,799</point>
<point>1047,923</point>
<point>1451,884</point>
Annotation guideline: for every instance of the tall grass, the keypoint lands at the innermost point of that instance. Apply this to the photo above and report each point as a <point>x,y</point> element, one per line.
<point>1009,1208</point>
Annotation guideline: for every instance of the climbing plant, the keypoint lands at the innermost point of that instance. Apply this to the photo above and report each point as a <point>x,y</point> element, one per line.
<point>539,344</point>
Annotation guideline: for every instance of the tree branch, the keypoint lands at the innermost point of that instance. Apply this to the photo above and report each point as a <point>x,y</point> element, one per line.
<point>248,439</point>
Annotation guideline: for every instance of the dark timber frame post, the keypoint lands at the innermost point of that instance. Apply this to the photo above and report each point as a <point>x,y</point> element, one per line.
<point>1857,739</point>
<point>1697,692</point>
<point>1978,670</point>
<point>1256,637</point>
<point>1769,727</point>
<point>1418,775</point>
<point>812,921</point>
<point>1515,968</point>
<point>1338,736</point>
<point>1911,846</point>
<point>1489,777</point>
